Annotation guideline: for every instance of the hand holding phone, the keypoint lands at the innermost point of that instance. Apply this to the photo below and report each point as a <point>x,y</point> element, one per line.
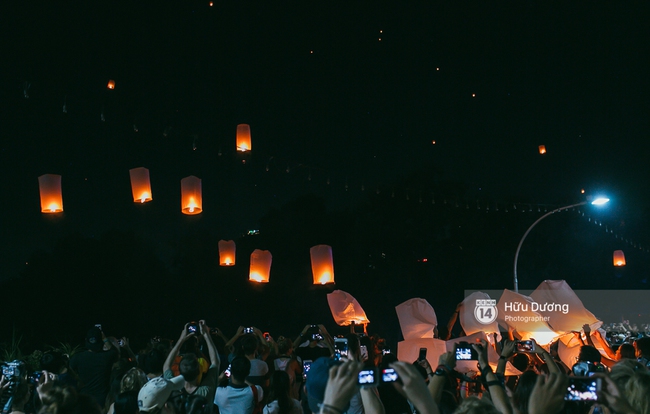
<point>526,346</point>
<point>192,327</point>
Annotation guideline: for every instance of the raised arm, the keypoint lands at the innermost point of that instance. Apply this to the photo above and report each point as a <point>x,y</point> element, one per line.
<point>415,388</point>
<point>240,332</point>
<point>547,358</point>
<point>507,352</point>
<point>174,351</point>
<point>212,350</point>
<point>493,384</point>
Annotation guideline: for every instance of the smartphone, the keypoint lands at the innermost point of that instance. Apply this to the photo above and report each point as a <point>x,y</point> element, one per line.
<point>192,328</point>
<point>98,326</point>
<point>340,348</point>
<point>364,352</point>
<point>583,389</point>
<point>306,365</point>
<point>316,337</point>
<point>120,342</point>
<point>525,346</point>
<point>385,351</point>
<point>367,378</point>
<point>227,371</point>
<point>267,336</point>
<point>34,377</point>
<point>389,375</point>
<point>249,330</point>
<point>423,354</point>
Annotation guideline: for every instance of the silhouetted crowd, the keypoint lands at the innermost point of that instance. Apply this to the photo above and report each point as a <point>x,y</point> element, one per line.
<point>204,371</point>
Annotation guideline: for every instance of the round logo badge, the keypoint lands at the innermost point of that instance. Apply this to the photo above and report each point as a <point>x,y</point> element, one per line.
<point>486,311</point>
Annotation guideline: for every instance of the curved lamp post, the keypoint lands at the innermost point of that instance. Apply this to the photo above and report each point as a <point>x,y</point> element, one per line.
<point>596,202</point>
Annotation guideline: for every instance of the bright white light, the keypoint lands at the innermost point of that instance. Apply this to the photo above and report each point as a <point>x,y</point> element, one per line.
<point>599,201</point>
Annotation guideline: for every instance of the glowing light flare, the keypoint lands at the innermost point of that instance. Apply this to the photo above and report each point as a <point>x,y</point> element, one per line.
<point>542,149</point>
<point>582,191</point>
<point>111,84</point>
<point>211,4</point>
<point>49,186</point>
<point>473,95</point>
<point>226,253</point>
<point>599,201</point>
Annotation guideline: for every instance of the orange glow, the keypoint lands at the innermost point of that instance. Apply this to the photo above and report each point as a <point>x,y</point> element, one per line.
<point>619,258</point>
<point>542,149</point>
<point>140,185</point>
<point>244,137</point>
<point>582,191</point>
<point>211,4</point>
<point>473,95</point>
<point>49,186</point>
<point>260,268</point>
<point>226,253</point>
<point>111,84</point>
<point>433,142</point>
<point>191,196</point>
<point>322,264</point>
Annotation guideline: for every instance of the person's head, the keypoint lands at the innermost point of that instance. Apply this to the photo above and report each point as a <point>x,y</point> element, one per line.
<point>521,362</point>
<point>589,354</point>
<point>285,346</point>
<point>153,361</point>
<point>189,367</point>
<point>133,380</point>
<point>625,351</point>
<point>54,362</point>
<point>354,346</point>
<point>66,401</point>
<point>523,390</point>
<point>249,344</point>
<point>153,396</point>
<point>94,339</point>
<point>126,403</point>
<point>280,390</point>
<point>240,367</point>
<point>642,346</point>
<point>637,391</point>
<point>473,405</point>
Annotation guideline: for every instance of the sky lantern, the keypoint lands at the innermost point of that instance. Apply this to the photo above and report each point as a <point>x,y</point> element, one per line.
<point>260,269</point>
<point>322,264</point>
<point>111,84</point>
<point>191,200</point>
<point>226,253</point>
<point>244,137</point>
<point>49,185</point>
<point>140,185</point>
<point>619,258</point>
<point>542,149</point>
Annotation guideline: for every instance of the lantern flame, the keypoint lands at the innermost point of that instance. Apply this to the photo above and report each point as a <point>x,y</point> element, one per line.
<point>53,207</point>
<point>144,197</point>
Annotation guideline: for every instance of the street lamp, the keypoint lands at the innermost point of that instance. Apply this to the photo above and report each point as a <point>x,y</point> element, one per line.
<point>597,202</point>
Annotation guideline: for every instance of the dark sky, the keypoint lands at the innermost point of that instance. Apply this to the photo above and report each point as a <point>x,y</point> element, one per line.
<point>339,95</point>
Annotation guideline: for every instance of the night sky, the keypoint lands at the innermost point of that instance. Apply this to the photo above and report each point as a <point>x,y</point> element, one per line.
<point>348,101</point>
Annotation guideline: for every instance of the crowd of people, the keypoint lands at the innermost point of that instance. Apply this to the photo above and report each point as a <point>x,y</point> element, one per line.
<point>204,371</point>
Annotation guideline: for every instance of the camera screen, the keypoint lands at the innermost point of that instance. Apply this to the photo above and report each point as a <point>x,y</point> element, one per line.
<point>389,375</point>
<point>191,328</point>
<point>306,365</point>
<point>316,337</point>
<point>582,389</point>
<point>248,330</point>
<point>366,377</point>
<point>463,354</point>
<point>525,346</point>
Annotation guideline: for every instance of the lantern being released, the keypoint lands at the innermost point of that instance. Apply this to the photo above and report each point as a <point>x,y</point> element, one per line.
<point>49,186</point>
<point>226,253</point>
<point>619,258</point>
<point>322,265</point>
<point>244,137</point>
<point>191,199</point>
<point>260,269</point>
<point>140,185</point>
<point>111,84</point>
<point>542,149</point>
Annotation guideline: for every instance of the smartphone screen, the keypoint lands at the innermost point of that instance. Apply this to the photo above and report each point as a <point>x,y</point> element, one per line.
<point>367,378</point>
<point>525,346</point>
<point>463,354</point>
<point>364,352</point>
<point>423,354</point>
<point>341,346</point>
<point>388,375</point>
<point>306,365</point>
<point>582,389</point>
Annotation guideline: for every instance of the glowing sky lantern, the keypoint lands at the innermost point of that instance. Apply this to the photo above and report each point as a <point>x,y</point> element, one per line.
<point>619,258</point>
<point>111,84</point>
<point>244,137</point>
<point>191,196</point>
<point>260,270</point>
<point>322,264</point>
<point>140,185</point>
<point>542,149</point>
<point>49,186</point>
<point>226,253</point>
<point>345,309</point>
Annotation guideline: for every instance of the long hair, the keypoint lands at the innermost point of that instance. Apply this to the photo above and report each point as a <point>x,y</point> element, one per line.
<point>280,391</point>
